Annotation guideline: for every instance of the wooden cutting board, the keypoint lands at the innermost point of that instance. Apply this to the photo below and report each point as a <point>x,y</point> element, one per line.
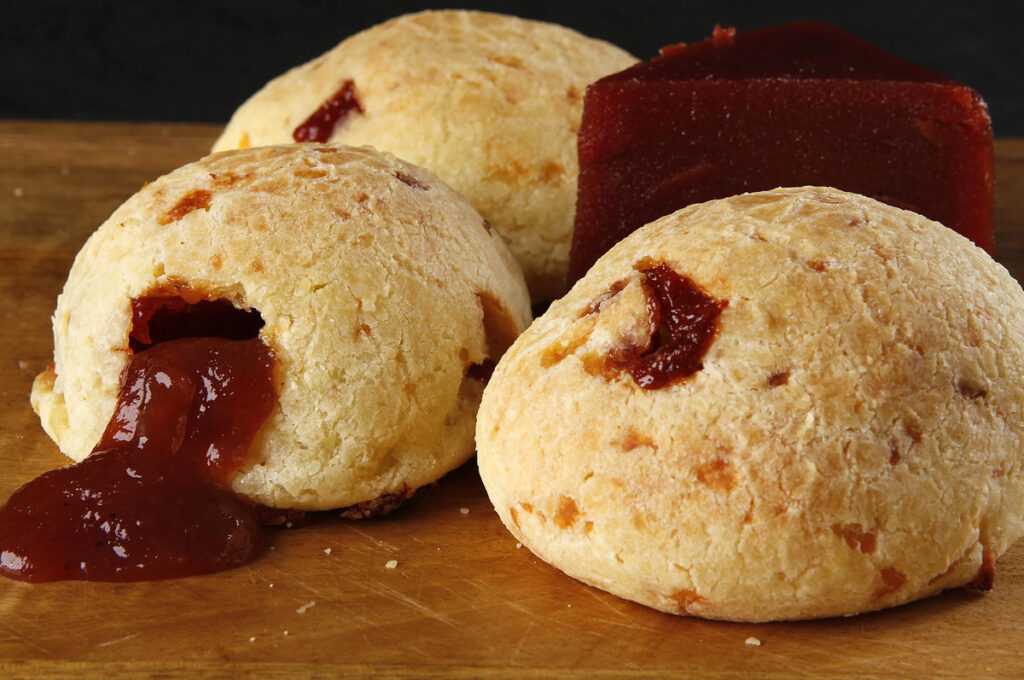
<point>463,601</point>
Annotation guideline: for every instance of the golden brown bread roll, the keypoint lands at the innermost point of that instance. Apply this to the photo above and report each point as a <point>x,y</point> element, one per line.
<point>491,103</point>
<point>851,440</point>
<point>379,287</point>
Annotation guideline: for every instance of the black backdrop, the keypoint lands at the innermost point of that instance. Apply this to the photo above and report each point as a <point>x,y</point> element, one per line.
<point>196,61</point>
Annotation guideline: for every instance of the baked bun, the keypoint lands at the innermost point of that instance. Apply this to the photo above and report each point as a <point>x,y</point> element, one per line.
<point>379,288</point>
<point>850,440</point>
<point>491,103</point>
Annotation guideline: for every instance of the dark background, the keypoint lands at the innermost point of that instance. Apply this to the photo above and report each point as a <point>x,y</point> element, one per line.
<point>197,61</point>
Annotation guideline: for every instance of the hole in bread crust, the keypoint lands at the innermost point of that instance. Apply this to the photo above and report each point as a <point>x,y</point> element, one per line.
<point>684,323</point>
<point>160,317</point>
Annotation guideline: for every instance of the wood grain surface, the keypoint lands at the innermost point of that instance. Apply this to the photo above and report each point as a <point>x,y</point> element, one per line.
<point>463,601</point>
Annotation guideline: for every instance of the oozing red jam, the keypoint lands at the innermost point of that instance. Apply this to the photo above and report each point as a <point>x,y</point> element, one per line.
<point>152,500</point>
<point>685,321</point>
<point>320,125</point>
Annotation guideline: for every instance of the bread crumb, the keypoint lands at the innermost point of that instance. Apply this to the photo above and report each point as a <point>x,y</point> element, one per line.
<point>464,511</point>
<point>304,608</point>
<point>252,639</point>
<point>391,564</point>
<point>22,364</point>
<point>18,192</point>
<point>327,551</point>
<point>518,546</point>
<point>286,632</point>
<point>271,585</point>
<point>753,641</point>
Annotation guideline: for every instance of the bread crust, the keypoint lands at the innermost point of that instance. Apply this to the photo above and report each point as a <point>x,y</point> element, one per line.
<point>375,282</point>
<point>490,103</point>
<point>853,441</point>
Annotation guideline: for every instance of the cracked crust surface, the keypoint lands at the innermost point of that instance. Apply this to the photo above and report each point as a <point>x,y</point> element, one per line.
<point>379,286</point>
<point>490,103</point>
<point>853,441</point>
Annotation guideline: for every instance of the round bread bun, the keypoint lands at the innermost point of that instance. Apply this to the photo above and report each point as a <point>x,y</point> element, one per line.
<point>379,288</point>
<point>852,441</point>
<point>491,103</point>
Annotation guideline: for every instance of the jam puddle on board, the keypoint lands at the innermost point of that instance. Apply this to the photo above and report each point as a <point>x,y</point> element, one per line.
<point>152,501</point>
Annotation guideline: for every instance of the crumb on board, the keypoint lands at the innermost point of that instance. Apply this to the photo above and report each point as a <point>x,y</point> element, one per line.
<point>518,546</point>
<point>327,551</point>
<point>464,511</point>
<point>252,639</point>
<point>391,564</point>
<point>753,641</point>
<point>18,192</point>
<point>22,365</point>
<point>286,632</point>
<point>304,608</point>
<point>271,585</point>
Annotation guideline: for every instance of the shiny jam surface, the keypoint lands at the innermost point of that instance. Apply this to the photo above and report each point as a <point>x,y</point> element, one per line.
<point>320,125</point>
<point>152,501</point>
<point>793,105</point>
<point>685,322</point>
